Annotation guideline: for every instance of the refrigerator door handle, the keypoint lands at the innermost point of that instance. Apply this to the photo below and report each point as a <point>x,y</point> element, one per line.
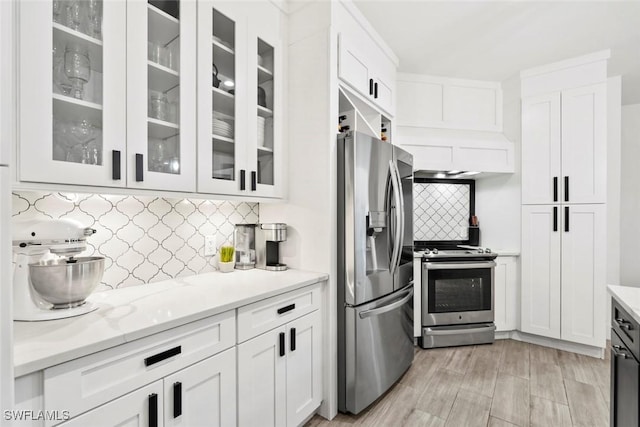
<point>400,213</point>
<point>386,308</point>
<point>395,232</point>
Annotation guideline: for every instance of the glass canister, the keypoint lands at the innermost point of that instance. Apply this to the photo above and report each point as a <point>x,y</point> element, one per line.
<point>244,241</point>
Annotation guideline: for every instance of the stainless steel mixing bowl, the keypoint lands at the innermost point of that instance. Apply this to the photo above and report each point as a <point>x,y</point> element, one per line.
<point>66,283</point>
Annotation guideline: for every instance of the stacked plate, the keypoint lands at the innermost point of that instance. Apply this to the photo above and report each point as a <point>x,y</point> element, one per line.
<point>261,122</point>
<point>222,127</point>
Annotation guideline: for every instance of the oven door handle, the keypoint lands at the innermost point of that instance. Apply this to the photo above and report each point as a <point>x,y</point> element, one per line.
<point>386,308</point>
<point>470,330</point>
<point>459,265</point>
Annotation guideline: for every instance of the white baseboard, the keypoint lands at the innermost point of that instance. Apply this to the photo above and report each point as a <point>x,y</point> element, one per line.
<point>587,350</point>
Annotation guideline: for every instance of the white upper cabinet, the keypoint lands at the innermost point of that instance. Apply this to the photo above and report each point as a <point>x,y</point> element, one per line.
<point>161,91</point>
<point>72,92</point>
<point>240,102</point>
<point>6,82</point>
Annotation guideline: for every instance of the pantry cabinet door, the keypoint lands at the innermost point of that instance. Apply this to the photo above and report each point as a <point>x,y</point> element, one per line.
<point>541,161</point>
<point>584,144</point>
<point>72,92</point>
<point>540,257</point>
<point>584,242</point>
<point>161,96</point>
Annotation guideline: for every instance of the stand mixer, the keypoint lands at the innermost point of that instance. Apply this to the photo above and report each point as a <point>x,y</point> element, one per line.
<point>49,281</point>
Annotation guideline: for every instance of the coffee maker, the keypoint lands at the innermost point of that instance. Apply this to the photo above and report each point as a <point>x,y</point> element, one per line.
<point>268,238</point>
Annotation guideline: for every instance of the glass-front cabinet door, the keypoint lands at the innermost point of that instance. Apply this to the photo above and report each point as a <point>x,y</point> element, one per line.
<point>222,97</point>
<point>72,91</point>
<point>161,84</point>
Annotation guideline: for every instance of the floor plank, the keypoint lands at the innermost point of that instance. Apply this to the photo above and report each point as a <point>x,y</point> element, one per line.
<point>401,403</point>
<point>425,363</point>
<point>515,359</point>
<point>497,422</point>
<point>440,393</point>
<point>545,413</point>
<point>418,418</point>
<point>458,359</point>
<point>469,410</point>
<point>511,400</point>
<point>546,382</point>
<point>481,376</point>
<point>576,367</point>
<point>540,354</point>
<point>489,350</point>
<point>586,404</point>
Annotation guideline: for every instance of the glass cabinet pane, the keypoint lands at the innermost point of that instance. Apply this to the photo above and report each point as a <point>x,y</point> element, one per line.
<point>163,95</point>
<point>265,113</point>
<point>223,79</point>
<point>77,81</point>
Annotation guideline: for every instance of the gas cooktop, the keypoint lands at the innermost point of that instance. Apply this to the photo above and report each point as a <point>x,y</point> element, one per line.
<point>463,252</point>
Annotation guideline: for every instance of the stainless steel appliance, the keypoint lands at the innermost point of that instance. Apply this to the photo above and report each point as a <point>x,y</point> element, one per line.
<point>268,238</point>
<point>457,297</point>
<point>375,268</point>
<point>244,242</point>
<point>625,368</point>
<point>49,281</point>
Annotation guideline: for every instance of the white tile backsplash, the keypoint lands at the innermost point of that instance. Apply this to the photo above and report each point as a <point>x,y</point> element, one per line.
<point>143,239</point>
<point>441,211</point>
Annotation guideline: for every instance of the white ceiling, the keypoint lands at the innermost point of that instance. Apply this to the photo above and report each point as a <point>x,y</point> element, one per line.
<point>495,40</point>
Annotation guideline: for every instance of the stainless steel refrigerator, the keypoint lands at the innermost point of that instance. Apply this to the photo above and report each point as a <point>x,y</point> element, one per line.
<point>375,268</point>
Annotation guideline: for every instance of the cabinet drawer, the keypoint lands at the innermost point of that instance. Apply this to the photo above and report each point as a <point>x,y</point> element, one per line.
<point>257,318</point>
<point>626,328</point>
<point>89,381</point>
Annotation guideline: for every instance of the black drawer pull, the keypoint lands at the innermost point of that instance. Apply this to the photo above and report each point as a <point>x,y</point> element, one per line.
<point>618,351</point>
<point>115,165</point>
<point>177,399</point>
<point>623,324</point>
<point>286,308</point>
<point>242,179</point>
<point>151,360</point>
<point>153,410</point>
<point>293,339</point>
<point>281,344</point>
<point>139,168</point>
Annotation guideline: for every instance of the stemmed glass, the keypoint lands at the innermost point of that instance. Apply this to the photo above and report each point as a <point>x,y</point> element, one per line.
<point>94,10</point>
<point>77,68</point>
<point>61,83</point>
<point>59,7</point>
<point>75,15</point>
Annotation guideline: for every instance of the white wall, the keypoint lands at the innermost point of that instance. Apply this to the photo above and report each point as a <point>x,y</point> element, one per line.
<point>630,198</point>
<point>498,197</point>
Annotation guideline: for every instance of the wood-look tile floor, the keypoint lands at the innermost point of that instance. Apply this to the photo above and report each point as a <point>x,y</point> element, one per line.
<point>508,383</point>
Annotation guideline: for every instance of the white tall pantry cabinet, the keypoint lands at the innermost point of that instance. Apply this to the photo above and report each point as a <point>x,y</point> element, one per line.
<point>564,181</point>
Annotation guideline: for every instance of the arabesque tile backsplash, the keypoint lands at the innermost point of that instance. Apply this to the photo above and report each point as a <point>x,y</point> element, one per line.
<point>143,239</point>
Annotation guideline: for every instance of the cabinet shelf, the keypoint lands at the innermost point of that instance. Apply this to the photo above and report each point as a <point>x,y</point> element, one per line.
<point>66,35</point>
<point>163,28</point>
<point>220,47</point>
<point>222,138</point>
<point>265,150</point>
<point>161,78</point>
<point>76,109</point>
<point>264,75</point>
<point>159,129</point>
<point>264,112</point>
<point>223,102</point>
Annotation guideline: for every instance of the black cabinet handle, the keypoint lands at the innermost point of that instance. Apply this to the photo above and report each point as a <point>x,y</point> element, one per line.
<point>115,165</point>
<point>555,218</point>
<point>139,167</point>
<point>618,351</point>
<point>623,324</point>
<point>566,188</point>
<point>153,410</point>
<point>370,86</point>
<point>286,308</point>
<point>281,344</point>
<point>555,188</point>
<point>177,399</point>
<point>254,180</point>
<point>566,218</point>
<point>375,91</point>
<point>152,360</point>
<point>242,179</point>
<point>293,339</point>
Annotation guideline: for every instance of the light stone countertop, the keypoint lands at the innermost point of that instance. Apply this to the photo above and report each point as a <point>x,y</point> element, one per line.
<point>134,312</point>
<point>628,297</point>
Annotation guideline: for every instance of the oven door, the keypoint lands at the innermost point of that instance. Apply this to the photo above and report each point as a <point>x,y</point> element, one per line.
<point>457,292</point>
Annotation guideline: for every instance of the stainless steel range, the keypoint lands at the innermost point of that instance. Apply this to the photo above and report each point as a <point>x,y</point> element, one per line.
<point>457,297</point>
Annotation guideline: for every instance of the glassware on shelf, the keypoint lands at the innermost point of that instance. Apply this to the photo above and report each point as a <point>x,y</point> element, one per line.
<point>61,83</point>
<point>76,15</point>
<point>77,68</point>
<point>94,14</point>
<point>77,142</point>
<point>59,11</point>
<point>158,106</point>
<point>160,54</point>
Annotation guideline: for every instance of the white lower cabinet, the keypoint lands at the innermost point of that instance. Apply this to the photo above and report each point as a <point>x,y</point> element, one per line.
<point>506,293</point>
<point>202,395</point>
<point>280,374</point>
<point>564,272</point>
<point>142,408</point>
